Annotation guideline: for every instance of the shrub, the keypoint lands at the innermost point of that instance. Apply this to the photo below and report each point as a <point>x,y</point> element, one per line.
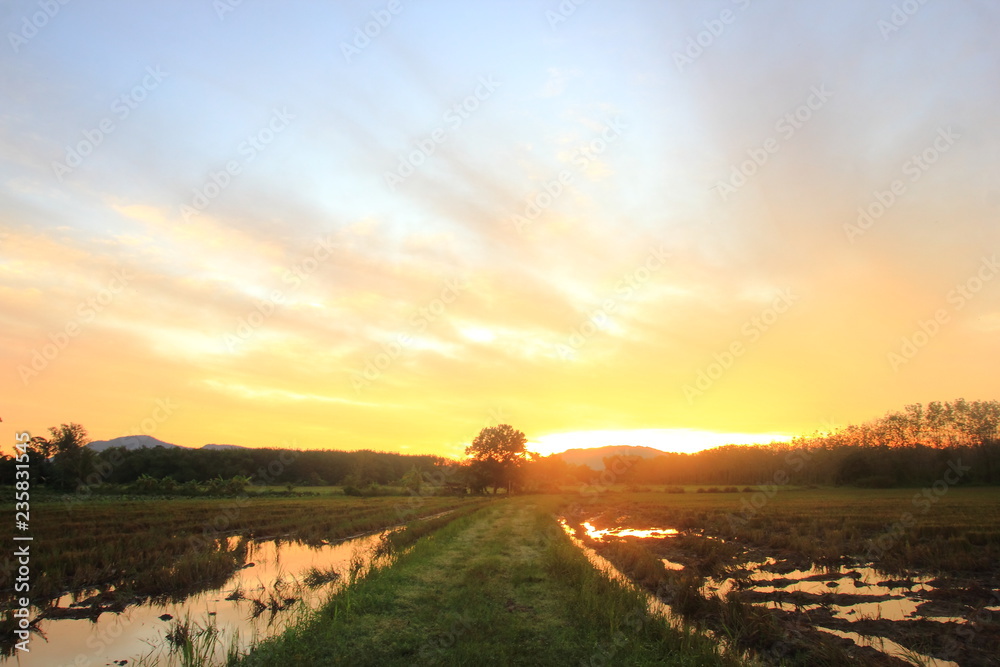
<point>876,482</point>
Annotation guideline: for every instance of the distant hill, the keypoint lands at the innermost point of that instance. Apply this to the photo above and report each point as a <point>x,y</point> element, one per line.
<point>593,457</point>
<point>142,441</point>
<point>129,442</point>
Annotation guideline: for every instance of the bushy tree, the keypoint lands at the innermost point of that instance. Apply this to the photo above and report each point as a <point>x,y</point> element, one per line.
<point>497,454</point>
<point>71,460</point>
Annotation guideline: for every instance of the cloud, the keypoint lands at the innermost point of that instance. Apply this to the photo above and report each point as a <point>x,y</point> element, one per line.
<point>268,394</point>
<point>558,79</point>
<point>357,264</point>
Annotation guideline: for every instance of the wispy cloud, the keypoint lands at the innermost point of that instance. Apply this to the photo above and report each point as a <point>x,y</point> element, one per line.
<point>267,394</point>
<point>316,267</point>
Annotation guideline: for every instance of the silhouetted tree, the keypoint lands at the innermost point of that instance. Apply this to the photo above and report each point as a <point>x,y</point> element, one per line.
<point>71,460</point>
<point>498,453</point>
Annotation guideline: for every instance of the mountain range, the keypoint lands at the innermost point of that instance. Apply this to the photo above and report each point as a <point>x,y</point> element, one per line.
<point>141,441</point>
<point>593,457</point>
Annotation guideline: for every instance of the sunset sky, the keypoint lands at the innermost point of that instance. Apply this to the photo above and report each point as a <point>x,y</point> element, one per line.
<point>252,223</point>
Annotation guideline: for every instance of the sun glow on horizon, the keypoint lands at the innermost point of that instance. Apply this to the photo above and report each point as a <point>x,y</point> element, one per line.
<point>679,440</point>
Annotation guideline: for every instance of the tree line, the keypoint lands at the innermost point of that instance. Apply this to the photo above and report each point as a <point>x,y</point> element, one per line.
<point>62,461</point>
<point>911,447</point>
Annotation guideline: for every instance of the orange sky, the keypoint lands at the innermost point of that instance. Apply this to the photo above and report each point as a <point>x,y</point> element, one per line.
<point>597,234</point>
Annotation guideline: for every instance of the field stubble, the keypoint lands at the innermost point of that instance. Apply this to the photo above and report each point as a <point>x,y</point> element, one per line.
<point>726,565</point>
<point>172,548</point>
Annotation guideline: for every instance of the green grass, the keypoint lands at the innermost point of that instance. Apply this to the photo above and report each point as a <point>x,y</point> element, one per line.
<point>317,490</point>
<point>503,586</point>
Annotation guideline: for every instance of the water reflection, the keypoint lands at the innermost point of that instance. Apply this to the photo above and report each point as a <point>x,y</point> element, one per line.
<point>851,593</point>
<point>891,648</point>
<point>280,580</point>
<point>655,606</point>
<point>844,593</point>
<point>599,534</point>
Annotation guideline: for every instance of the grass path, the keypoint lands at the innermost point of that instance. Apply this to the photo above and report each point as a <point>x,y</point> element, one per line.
<point>500,587</point>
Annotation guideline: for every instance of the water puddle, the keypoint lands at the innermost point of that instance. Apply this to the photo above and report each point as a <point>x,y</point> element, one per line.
<point>596,534</point>
<point>851,593</point>
<point>847,593</point>
<point>891,648</point>
<point>603,565</point>
<point>841,594</point>
<point>281,580</point>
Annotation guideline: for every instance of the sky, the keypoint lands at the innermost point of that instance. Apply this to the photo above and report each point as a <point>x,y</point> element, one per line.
<point>388,225</point>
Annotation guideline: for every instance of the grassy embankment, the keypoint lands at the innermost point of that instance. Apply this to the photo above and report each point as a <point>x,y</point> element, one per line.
<point>503,586</point>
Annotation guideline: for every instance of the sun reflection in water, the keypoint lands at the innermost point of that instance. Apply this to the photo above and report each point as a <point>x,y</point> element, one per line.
<point>599,534</point>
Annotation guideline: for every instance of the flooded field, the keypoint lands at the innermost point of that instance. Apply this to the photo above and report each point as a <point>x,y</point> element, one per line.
<point>789,586</point>
<point>279,580</point>
<point>603,565</point>
<point>916,618</point>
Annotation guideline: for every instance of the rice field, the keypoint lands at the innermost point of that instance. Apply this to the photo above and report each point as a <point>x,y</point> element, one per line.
<point>797,571</point>
<point>175,547</point>
<point>762,576</point>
